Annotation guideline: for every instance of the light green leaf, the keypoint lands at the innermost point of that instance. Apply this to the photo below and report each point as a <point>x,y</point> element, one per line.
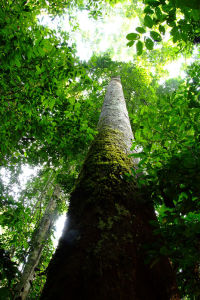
<point>140,29</point>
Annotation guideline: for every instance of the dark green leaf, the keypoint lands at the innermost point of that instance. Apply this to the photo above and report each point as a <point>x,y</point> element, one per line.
<point>166,8</point>
<point>175,33</point>
<point>155,36</point>
<point>153,3</point>
<point>148,21</point>
<point>148,10</point>
<point>171,23</point>
<point>162,29</point>
<point>159,13</point>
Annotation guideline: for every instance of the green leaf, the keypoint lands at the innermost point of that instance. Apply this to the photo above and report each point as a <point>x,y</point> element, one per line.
<point>159,13</point>
<point>129,44</point>
<point>153,3</point>
<point>134,144</point>
<point>171,23</point>
<point>139,47</point>
<point>148,10</point>
<point>132,36</point>
<point>156,36</point>
<point>162,29</point>
<point>149,44</point>
<point>140,29</point>
<point>38,69</point>
<point>175,33</point>
<point>148,21</point>
<point>166,8</point>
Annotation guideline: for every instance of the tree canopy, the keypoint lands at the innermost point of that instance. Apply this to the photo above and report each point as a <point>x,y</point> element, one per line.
<point>179,18</point>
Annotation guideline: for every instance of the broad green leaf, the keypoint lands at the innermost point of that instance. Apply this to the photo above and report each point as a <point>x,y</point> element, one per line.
<point>149,44</point>
<point>155,36</point>
<point>175,33</point>
<point>140,29</point>
<point>148,21</point>
<point>159,13</point>
<point>166,8</point>
<point>148,10</point>
<point>129,44</point>
<point>162,29</point>
<point>132,36</point>
<point>171,23</point>
<point>139,47</point>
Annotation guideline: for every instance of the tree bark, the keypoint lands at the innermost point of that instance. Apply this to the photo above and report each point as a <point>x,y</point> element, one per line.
<point>102,253</point>
<point>37,245</point>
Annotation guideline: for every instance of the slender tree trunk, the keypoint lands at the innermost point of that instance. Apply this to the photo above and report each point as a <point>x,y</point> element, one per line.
<point>101,254</point>
<point>37,245</point>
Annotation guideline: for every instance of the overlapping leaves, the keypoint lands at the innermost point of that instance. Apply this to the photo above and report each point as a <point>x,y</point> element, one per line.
<point>181,18</point>
<point>167,131</point>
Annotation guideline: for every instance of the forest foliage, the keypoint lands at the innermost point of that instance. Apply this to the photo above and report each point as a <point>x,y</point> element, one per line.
<point>49,109</point>
<point>178,18</point>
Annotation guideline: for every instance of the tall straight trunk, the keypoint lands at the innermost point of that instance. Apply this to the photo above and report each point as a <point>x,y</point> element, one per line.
<point>37,245</point>
<point>101,254</point>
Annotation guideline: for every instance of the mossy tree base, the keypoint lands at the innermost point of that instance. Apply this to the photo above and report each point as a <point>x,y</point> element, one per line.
<point>101,255</point>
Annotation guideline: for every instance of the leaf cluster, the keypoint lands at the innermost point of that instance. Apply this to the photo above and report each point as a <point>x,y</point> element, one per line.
<point>180,18</point>
<point>167,134</point>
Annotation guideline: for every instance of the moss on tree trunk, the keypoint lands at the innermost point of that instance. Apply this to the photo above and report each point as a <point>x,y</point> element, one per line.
<point>101,255</point>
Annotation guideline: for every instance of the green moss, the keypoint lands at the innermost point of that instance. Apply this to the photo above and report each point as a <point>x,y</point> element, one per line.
<point>102,177</point>
<point>102,193</point>
<point>107,155</point>
<point>122,211</point>
<point>112,225</point>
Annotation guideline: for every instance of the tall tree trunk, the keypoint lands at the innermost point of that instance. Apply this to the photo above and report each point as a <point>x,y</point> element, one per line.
<point>101,254</point>
<point>37,245</point>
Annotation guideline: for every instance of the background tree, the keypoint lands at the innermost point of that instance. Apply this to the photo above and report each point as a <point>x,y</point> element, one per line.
<point>38,240</point>
<point>27,225</point>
